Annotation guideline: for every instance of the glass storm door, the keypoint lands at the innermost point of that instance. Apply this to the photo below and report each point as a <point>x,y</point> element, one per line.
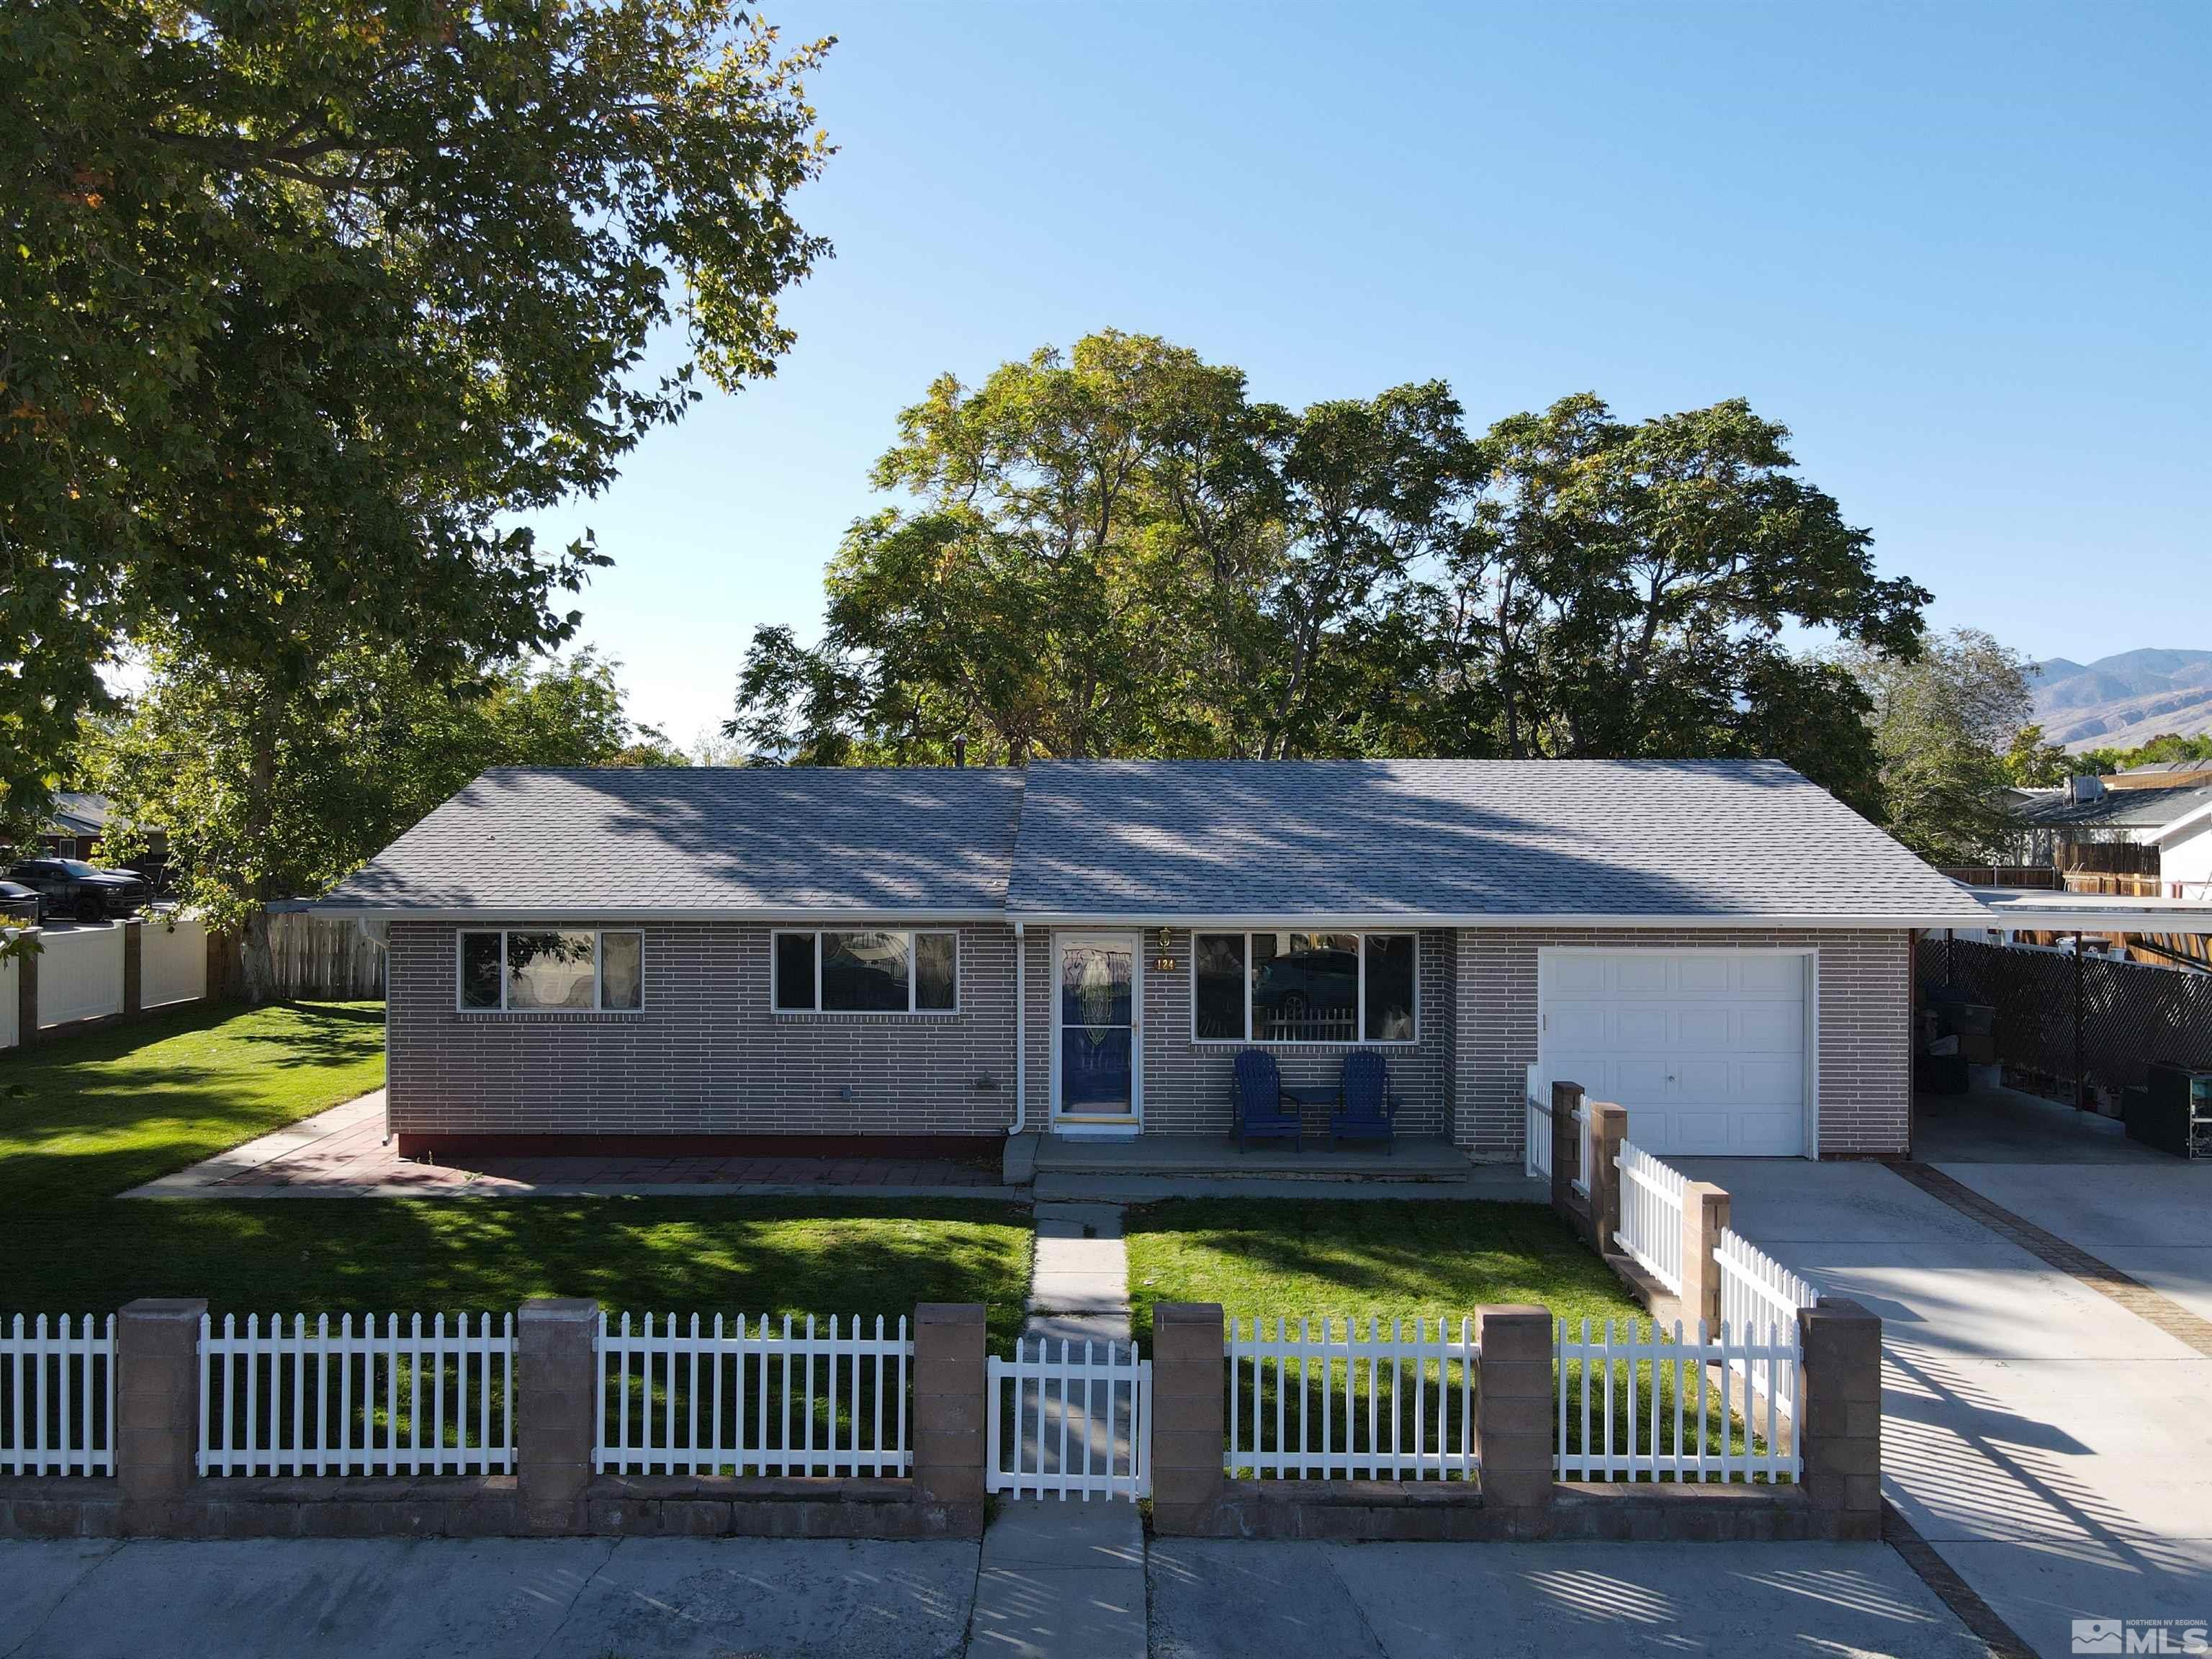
<point>1098,1026</point>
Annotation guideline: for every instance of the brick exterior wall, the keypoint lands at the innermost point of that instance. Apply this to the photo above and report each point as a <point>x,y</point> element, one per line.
<point>705,1055</point>
<point>1865,995</point>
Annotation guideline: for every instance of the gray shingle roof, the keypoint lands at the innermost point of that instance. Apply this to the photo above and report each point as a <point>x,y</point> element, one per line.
<point>2116,809</point>
<point>705,838</point>
<point>1693,839</point>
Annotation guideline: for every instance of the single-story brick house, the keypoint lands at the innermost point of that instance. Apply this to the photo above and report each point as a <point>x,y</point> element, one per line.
<point>894,958</point>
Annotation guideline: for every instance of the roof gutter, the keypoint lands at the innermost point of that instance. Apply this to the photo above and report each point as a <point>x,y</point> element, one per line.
<point>1977,917</point>
<point>385,914</point>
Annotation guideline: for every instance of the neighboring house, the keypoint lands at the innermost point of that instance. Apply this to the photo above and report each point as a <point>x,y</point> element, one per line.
<point>80,821</point>
<point>2161,815</point>
<point>896,958</point>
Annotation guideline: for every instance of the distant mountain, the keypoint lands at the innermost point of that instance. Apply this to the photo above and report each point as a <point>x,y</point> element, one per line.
<point>2120,700</point>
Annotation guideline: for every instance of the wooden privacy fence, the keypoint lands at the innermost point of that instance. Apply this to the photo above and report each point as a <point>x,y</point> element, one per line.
<point>2089,1018</point>
<point>318,957</point>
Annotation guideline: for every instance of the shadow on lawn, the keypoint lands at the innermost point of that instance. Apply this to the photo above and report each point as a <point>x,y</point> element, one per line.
<point>90,1114</point>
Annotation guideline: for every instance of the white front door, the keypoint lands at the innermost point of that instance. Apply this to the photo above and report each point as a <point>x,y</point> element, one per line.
<point>1097,1030</point>
<point>1706,1049</point>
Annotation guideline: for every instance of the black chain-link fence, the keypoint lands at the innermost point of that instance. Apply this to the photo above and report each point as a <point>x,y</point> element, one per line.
<point>2118,1015</point>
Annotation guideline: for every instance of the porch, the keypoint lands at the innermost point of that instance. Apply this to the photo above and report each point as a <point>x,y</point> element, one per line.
<point>1145,1167</point>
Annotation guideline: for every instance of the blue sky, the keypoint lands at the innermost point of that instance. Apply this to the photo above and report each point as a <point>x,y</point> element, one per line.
<point>1961,250</point>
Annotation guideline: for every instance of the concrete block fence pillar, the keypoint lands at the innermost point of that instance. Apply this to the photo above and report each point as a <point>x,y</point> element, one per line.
<point>1608,1128</point>
<point>27,992</point>
<point>1704,1214</point>
<point>1189,1370</point>
<point>1566,1153</point>
<point>134,966</point>
<point>157,1409</point>
<point>1513,1410</point>
<point>1838,1427</point>
<point>950,1421</point>
<point>557,1403</point>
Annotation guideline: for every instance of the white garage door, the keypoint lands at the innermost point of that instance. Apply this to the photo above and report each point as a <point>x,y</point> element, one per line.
<point>1706,1049</point>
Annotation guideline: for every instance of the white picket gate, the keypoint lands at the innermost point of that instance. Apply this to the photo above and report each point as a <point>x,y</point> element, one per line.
<point>1065,1416</point>
<point>58,1396</point>
<point>1758,1294</point>
<point>1536,1125</point>
<point>311,1399</point>
<point>1639,1403</point>
<point>1394,1403</point>
<point>1650,1228</point>
<point>705,1400</point>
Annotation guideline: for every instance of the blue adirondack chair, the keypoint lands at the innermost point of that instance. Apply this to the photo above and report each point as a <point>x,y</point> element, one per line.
<point>1365,1107</point>
<point>1256,1105</point>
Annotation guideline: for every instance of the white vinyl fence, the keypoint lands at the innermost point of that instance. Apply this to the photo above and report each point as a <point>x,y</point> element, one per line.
<point>1067,1417</point>
<point>315,1399</point>
<point>58,1396</point>
<point>1536,1125</point>
<point>1651,1229</point>
<point>172,961</point>
<point>1760,1296</point>
<point>11,1001</point>
<point>1395,1403</point>
<point>1643,1403</point>
<point>79,974</point>
<point>707,1400</point>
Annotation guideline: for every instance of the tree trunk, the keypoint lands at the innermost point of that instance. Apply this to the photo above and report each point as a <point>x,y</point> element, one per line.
<point>260,818</point>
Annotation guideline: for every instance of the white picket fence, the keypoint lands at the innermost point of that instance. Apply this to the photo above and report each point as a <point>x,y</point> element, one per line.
<point>172,961</point>
<point>1064,1416</point>
<point>1759,1295</point>
<point>314,1400</point>
<point>1395,1403</point>
<point>58,1396</point>
<point>1651,1229</point>
<point>751,1398</point>
<point>1643,1403</point>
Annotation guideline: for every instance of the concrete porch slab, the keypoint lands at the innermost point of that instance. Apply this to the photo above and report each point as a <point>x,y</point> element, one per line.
<point>1409,1160</point>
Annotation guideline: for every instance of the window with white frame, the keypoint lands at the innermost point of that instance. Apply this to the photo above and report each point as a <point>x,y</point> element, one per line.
<point>866,971</point>
<point>524,970</point>
<point>1304,987</point>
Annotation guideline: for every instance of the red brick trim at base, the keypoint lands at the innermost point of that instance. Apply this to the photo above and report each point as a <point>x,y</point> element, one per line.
<point>446,1149</point>
<point>485,1506</point>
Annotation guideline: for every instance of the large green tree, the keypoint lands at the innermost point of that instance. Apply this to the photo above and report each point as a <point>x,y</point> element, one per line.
<point>304,301</point>
<point>265,796</point>
<point>1116,551</point>
<point>1944,723</point>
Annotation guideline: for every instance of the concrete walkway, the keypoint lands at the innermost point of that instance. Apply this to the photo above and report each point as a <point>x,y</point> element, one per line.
<point>2049,1445</point>
<point>1063,1576</point>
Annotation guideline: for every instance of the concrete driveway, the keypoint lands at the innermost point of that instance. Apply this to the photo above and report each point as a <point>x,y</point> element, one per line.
<point>2054,1448</point>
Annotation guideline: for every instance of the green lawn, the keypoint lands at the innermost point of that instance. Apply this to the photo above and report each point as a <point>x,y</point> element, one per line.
<point>1294,1258</point>
<point>1291,1259</point>
<point>85,1117</point>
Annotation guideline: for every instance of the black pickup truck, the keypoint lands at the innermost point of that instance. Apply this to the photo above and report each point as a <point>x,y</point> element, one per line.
<point>70,887</point>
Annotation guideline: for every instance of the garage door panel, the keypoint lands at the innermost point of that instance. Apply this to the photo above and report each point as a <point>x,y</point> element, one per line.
<point>1706,1049</point>
<point>1705,1027</point>
<point>1694,976</point>
<point>1772,976</point>
<point>1771,1028</point>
